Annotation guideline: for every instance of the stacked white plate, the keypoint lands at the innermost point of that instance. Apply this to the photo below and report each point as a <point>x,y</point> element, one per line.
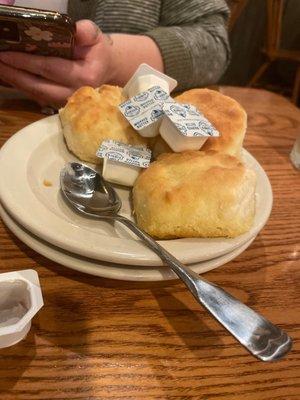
<point>34,210</point>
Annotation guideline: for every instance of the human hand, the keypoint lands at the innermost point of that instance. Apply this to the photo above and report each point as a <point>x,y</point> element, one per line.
<point>51,80</point>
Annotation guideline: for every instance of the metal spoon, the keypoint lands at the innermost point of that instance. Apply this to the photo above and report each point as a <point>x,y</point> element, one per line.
<point>90,194</point>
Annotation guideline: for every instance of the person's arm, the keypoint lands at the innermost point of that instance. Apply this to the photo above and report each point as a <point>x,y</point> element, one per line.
<point>195,53</point>
<point>128,52</point>
<point>193,41</point>
<point>191,45</point>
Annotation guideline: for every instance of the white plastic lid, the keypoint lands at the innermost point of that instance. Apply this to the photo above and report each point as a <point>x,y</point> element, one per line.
<point>145,69</point>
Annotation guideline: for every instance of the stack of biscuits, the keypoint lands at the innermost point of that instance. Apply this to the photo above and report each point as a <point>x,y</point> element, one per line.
<point>205,193</point>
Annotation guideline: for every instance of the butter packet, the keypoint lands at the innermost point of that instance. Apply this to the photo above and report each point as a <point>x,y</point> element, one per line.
<point>122,163</point>
<point>144,78</point>
<point>144,111</point>
<point>188,120</point>
<point>139,156</point>
<point>184,127</point>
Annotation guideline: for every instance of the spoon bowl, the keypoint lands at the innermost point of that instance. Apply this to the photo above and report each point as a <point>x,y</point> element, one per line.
<point>87,191</point>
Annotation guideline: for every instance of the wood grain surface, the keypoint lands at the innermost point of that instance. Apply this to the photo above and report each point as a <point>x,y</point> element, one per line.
<point>101,339</point>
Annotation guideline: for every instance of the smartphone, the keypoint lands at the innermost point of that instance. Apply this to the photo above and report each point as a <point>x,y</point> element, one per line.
<point>42,32</point>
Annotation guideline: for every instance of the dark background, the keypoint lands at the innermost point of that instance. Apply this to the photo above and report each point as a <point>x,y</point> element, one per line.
<point>247,40</point>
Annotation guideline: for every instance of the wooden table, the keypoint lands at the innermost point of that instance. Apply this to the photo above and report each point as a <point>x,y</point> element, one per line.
<point>100,339</point>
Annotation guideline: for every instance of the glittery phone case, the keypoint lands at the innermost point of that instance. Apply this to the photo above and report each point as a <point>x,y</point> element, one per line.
<point>36,31</point>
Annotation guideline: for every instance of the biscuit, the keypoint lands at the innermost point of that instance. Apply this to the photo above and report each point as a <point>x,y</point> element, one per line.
<point>92,116</point>
<point>195,194</point>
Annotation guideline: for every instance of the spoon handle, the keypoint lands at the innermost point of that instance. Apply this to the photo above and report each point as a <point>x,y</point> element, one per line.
<point>263,339</point>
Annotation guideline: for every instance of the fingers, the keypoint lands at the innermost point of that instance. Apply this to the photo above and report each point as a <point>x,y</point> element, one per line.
<point>43,91</point>
<point>87,33</point>
<point>65,72</point>
<point>51,80</point>
<point>87,37</point>
<point>71,73</point>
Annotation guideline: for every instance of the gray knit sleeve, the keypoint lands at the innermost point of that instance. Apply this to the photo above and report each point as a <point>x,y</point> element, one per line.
<point>193,40</point>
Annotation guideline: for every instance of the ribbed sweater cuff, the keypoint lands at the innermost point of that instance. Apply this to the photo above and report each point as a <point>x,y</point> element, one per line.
<point>176,56</point>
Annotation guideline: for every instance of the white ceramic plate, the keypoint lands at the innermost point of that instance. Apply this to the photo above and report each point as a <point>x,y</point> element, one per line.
<point>38,153</point>
<point>108,270</point>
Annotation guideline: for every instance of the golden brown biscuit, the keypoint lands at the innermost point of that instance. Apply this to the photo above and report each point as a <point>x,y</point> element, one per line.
<point>91,116</point>
<point>195,194</point>
<point>226,114</point>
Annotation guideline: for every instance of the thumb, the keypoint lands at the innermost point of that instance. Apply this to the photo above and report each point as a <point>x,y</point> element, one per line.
<point>87,33</point>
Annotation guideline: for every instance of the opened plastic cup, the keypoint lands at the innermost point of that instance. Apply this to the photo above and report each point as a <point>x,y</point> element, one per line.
<point>20,299</point>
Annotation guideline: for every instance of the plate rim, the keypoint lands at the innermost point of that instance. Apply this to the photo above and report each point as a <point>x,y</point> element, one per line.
<point>142,257</point>
<point>110,270</point>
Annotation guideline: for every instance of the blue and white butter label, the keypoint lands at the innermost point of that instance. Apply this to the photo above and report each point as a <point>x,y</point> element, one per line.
<point>188,120</point>
<point>145,108</point>
<point>138,156</point>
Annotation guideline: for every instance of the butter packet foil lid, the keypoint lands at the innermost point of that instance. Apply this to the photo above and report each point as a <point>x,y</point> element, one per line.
<point>188,120</point>
<point>146,108</point>
<point>138,156</point>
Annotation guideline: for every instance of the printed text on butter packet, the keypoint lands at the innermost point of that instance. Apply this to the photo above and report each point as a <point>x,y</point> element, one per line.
<point>145,108</point>
<point>188,120</point>
<point>138,156</point>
